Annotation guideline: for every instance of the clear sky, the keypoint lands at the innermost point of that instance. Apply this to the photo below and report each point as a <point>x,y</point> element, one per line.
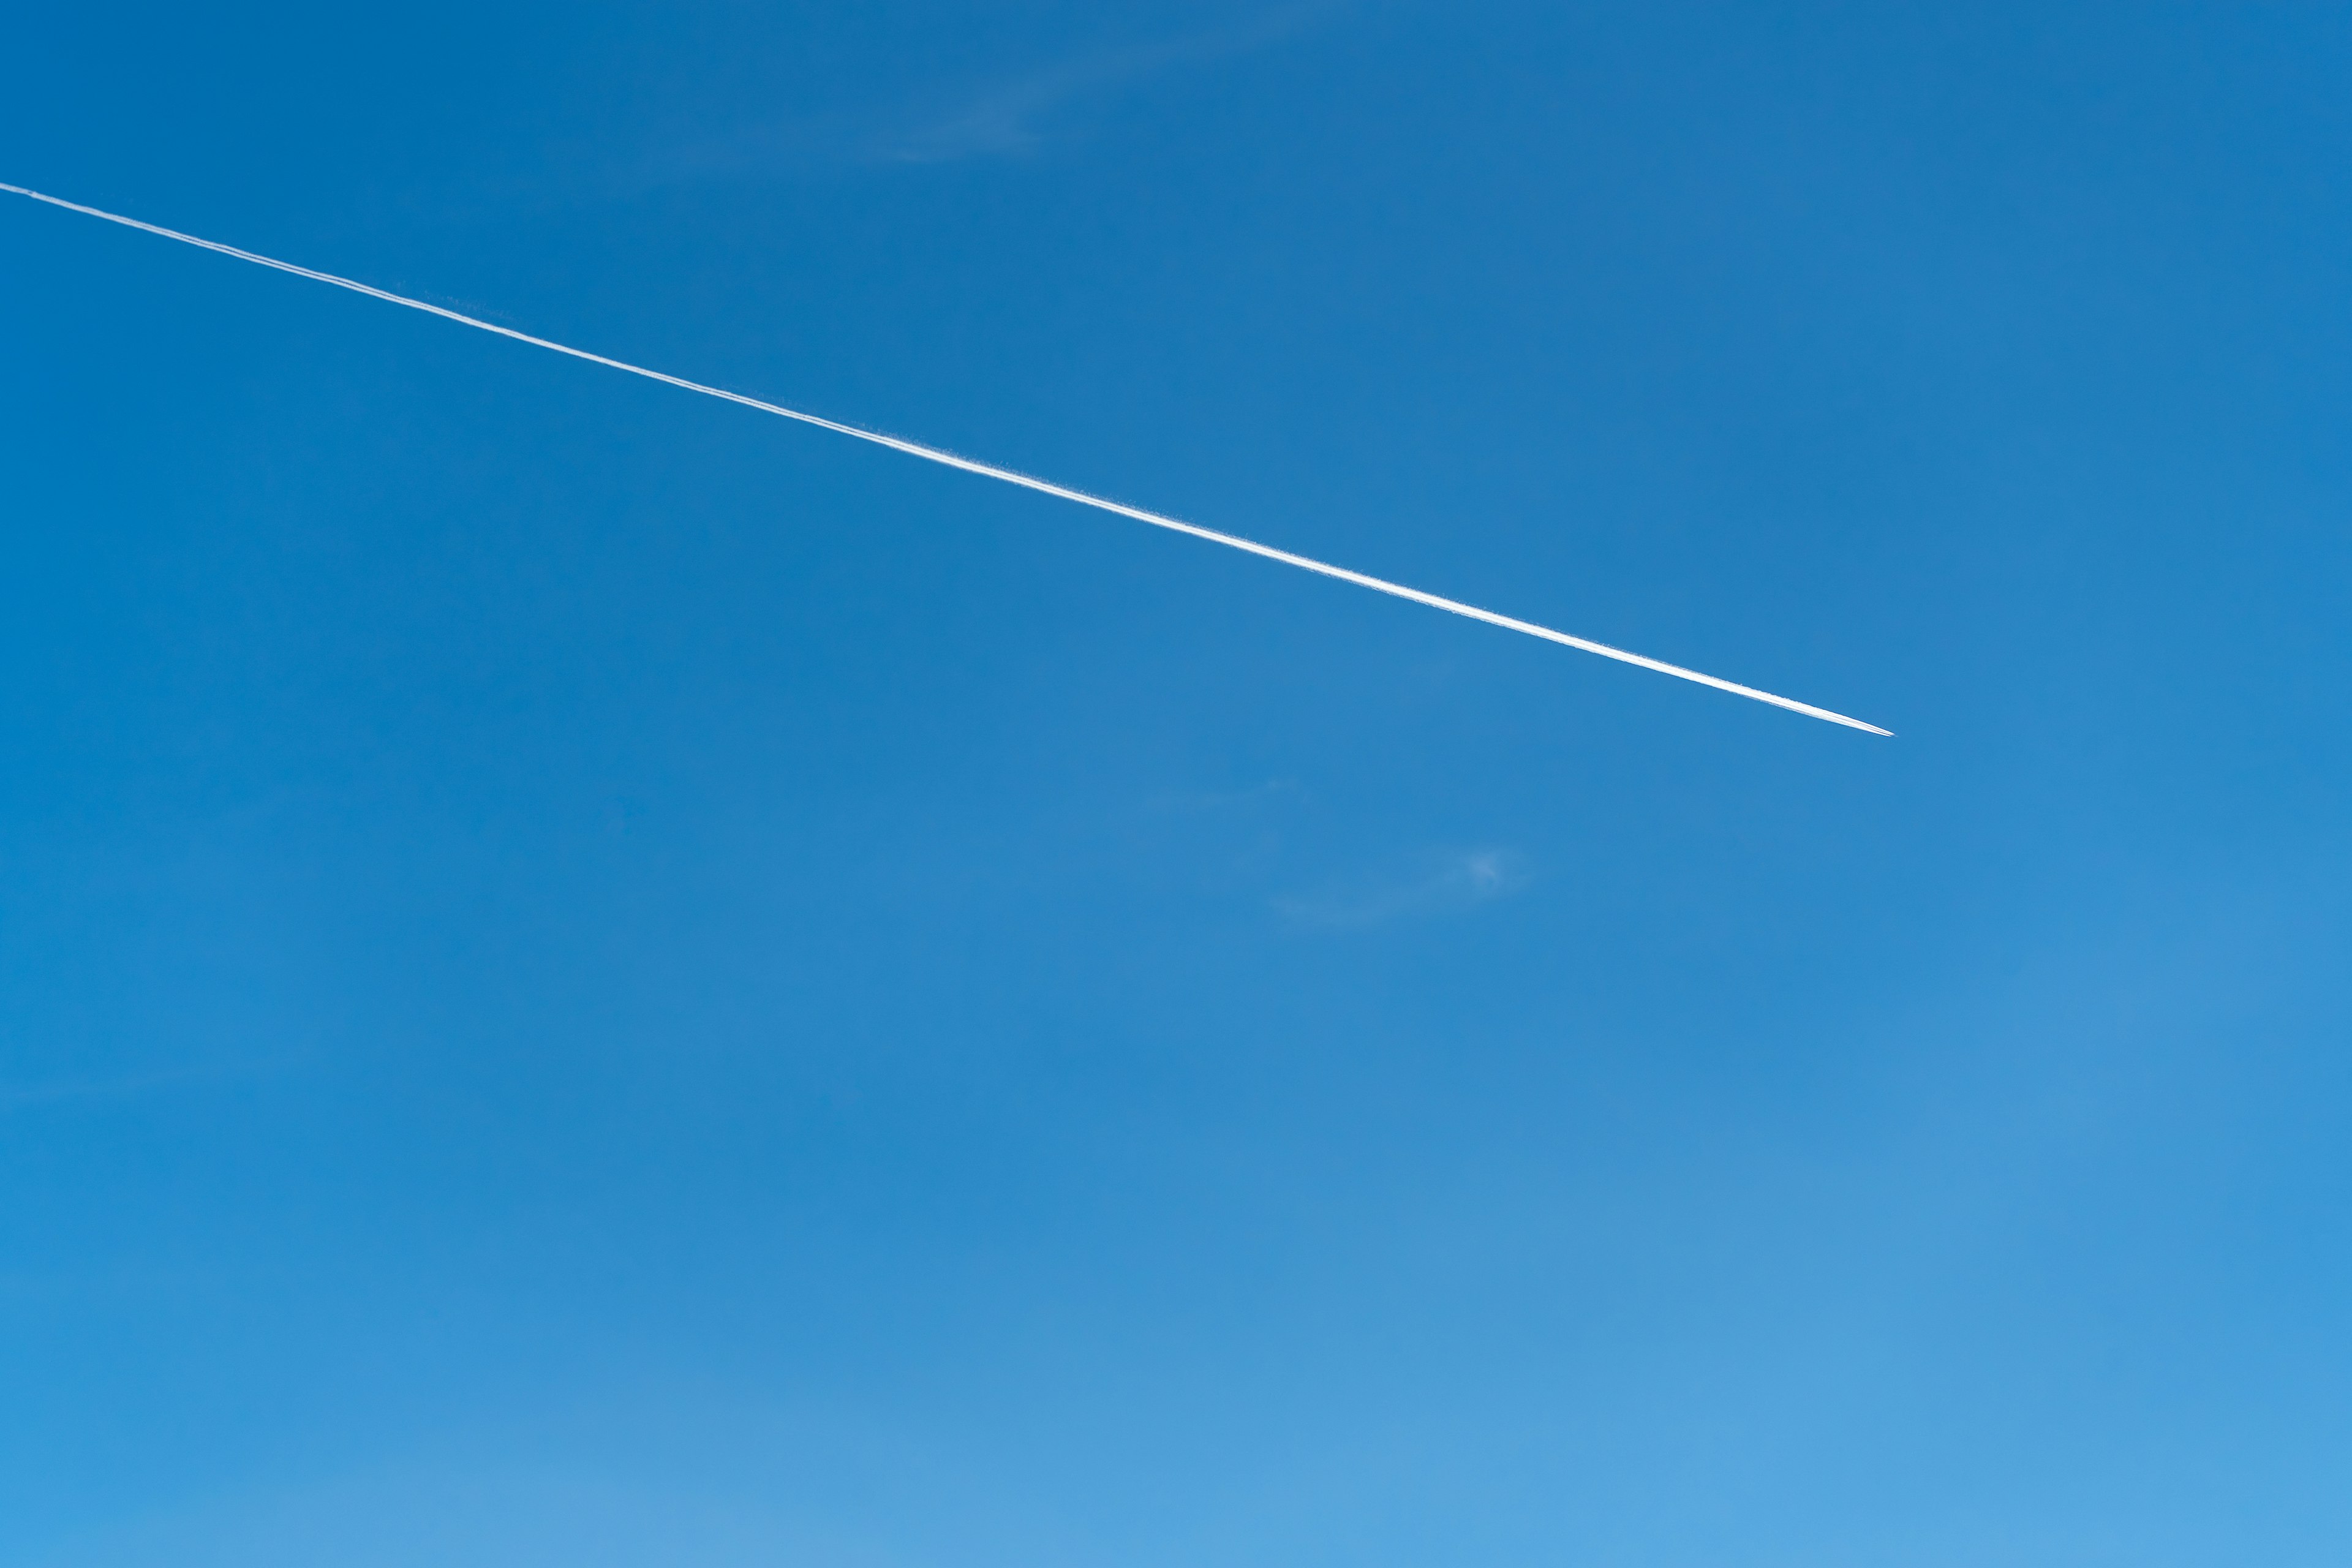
<point>593,978</point>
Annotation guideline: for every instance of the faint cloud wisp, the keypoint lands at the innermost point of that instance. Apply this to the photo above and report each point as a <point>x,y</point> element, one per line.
<point>1448,883</point>
<point>1003,120</point>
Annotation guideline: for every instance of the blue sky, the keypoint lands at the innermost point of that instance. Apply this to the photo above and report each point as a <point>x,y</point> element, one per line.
<point>588,978</point>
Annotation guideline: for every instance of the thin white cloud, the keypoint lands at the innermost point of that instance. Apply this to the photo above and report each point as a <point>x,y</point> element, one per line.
<point>1448,882</point>
<point>1006,119</point>
<point>1009,117</point>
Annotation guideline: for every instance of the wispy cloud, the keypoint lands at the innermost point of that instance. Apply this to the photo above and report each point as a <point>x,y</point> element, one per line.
<point>1009,117</point>
<point>1448,882</point>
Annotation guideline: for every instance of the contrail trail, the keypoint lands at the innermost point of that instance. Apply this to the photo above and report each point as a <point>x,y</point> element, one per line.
<point>988,470</point>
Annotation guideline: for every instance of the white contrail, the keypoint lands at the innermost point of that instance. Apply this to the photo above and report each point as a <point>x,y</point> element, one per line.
<point>933,454</point>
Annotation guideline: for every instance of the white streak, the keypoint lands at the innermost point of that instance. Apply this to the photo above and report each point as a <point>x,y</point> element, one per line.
<point>934,455</point>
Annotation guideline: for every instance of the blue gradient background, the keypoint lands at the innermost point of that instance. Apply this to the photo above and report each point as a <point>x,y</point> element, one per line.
<point>588,978</point>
